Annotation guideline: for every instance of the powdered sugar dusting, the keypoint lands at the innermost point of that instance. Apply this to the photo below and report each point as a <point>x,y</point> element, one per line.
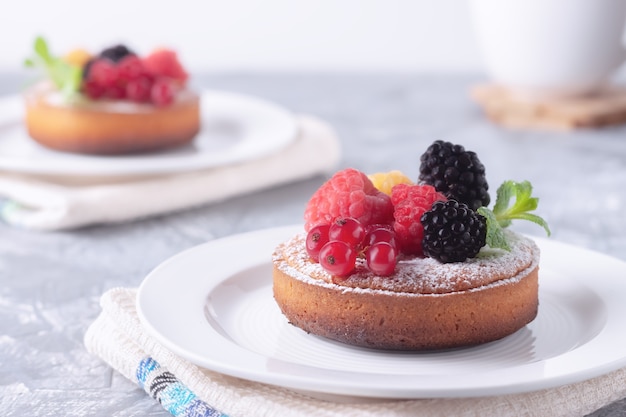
<point>418,275</point>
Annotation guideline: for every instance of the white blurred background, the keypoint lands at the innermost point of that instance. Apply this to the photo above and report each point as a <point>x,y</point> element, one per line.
<point>249,35</point>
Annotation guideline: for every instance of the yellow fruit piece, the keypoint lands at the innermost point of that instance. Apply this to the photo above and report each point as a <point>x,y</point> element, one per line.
<point>77,57</point>
<point>385,181</point>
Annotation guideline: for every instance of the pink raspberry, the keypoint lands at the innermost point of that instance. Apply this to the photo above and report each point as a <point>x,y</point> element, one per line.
<point>104,73</point>
<point>410,202</point>
<point>349,193</point>
<point>131,68</point>
<point>165,63</point>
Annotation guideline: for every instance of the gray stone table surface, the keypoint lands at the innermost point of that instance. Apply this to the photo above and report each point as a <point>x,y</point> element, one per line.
<point>50,283</point>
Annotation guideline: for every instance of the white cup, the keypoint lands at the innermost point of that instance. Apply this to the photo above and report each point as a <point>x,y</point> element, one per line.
<point>551,47</point>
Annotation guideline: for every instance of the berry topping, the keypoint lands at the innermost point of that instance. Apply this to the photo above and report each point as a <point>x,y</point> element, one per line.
<point>410,202</point>
<point>165,63</point>
<point>385,181</point>
<point>456,173</point>
<point>127,79</point>
<point>424,223</point>
<point>315,240</point>
<point>115,73</point>
<point>338,258</point>
<point>116,53</point>
<point>452,232</point>
<point>337,246</point>
<point>348,193</point>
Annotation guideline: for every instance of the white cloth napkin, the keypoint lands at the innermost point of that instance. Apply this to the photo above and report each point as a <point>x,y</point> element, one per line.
<point>184,389</point>
<point>49,203</point>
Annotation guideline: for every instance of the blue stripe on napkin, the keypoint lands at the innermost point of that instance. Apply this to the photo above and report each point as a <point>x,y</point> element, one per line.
<point>173,395</point>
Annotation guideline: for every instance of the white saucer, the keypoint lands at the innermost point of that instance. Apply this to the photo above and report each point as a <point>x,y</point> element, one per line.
<point>235,128</point>
<point>213,305</point>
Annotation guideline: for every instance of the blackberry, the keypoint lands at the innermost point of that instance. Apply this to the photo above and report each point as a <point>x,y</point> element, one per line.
<point>456,173</point>
<point>452,232</point>
<point>116,53</point>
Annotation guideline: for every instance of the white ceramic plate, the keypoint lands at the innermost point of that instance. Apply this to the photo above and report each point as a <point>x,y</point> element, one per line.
<point>213,305</point>
<point>235,128</point>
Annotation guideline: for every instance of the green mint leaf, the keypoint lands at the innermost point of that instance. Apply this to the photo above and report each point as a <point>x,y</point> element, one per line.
<point>41,49</point>
<point>503,196</point>
<point>66,77</point>
<point>495,233</point>
<point>535,219</point>
<point>504,212</point>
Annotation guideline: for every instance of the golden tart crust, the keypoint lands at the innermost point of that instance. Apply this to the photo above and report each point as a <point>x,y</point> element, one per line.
<point>424,305</point>
<point>110,127</point>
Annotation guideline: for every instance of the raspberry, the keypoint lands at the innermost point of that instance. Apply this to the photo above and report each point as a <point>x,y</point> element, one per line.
<point>410,202</point>
<point>456,173</point>
<point>348,193</point>
<point>385,181</point>
<point>92,90</point>
<point>165,63</point>
<point>103,72</point>
<point>453,232</point>
<point>130,68</point>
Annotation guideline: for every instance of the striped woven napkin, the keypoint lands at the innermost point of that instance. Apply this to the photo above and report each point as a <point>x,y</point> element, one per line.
<point>185,390</point>
<point>55,203</point>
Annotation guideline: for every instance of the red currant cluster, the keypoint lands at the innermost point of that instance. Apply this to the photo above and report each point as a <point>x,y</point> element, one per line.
<point>337,246</point>
<point>133,78</point>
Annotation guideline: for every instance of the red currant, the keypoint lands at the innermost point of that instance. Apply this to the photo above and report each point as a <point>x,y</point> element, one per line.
<point>381,234</point>
<point>162,92</point>
<point>337,258</point>
<point>316,239</point>
<point>348,230</point>
<point>381,258</point>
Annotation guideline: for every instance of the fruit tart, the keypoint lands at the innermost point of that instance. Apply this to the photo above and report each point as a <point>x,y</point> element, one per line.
<point>111,103</point>
<point>387,263</point>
